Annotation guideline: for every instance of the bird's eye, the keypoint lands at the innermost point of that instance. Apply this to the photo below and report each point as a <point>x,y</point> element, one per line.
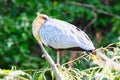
<point>45,18</point>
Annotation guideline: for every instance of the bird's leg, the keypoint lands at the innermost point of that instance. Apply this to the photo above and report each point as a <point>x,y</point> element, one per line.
<point>58,61</point>
<point>58,57</point>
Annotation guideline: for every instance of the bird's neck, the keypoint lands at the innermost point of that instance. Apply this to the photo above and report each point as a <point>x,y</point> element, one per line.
<point>36,25</point>
<point>35,31</point>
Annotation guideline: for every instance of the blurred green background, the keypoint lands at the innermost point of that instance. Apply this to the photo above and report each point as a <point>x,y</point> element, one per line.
<point>19,48</point>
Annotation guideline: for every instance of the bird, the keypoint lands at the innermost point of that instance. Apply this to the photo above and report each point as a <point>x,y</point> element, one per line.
<point>60,35</point>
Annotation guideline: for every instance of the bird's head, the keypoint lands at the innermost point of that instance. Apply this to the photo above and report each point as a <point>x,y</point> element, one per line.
<point>37,23</point>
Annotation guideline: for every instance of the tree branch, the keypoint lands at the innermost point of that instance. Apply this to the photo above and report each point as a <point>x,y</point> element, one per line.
<point>103,60</point>
<point>51,62</point>
<point>92,21</point>
<point>94,8</point>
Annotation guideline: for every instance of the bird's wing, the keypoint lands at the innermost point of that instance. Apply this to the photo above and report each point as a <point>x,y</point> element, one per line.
<point>60,35</point>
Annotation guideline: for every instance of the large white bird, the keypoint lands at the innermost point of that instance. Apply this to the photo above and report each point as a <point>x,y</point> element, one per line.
<point>59,34</point>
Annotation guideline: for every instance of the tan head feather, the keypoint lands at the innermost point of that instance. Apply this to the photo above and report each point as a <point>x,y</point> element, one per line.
<point>37,23</point>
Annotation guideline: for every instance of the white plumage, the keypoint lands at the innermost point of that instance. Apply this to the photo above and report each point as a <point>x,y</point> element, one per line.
<point>62,35</point>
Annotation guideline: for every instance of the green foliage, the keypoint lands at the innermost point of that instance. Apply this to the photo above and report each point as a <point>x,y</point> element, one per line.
<point>14,74</point>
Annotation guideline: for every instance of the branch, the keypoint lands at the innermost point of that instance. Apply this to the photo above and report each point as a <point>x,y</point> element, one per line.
<point>94,8</point>
<point>92,21</point>
<point>51,62</point>
<point>103,60</point>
